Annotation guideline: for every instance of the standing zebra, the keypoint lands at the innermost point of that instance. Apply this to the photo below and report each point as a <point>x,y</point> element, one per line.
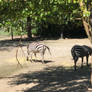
<point>80,51</point>
<point>34,48</point>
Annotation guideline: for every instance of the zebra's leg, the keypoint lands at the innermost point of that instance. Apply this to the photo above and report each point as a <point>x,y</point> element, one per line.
<point>27,54</point>
<point>27,57</point>
<point>31,57</point>
<point>75,65</point>
<point>35,56</point>
<point>82,63</point>
<point>42,55</point>
<point>75,62</point>
<point>87,59</point>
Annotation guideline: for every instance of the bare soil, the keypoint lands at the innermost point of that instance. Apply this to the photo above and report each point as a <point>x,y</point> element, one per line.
<point>56,75</point>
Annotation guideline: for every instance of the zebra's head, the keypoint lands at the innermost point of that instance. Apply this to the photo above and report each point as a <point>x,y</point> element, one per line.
<point>89,49</point>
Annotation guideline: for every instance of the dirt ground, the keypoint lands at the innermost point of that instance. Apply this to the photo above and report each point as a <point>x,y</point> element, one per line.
<point>56,75</point>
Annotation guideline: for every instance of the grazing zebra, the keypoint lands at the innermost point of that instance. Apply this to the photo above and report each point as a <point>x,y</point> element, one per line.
<point>34,48</point>
<point>80,51</point>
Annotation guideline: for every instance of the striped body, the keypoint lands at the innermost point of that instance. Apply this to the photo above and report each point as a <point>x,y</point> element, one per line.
<point>80,51</point>
<point>35,47</point>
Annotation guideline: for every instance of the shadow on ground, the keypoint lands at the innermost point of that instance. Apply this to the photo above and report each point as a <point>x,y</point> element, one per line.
<point>4,44</point>
<point>45,61</point>
<point>16,42</point>
<point>7,42</point>
<point>55,79</point>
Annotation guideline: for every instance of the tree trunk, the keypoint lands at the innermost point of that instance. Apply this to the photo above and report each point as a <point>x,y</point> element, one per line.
<point>87,22</point>
<point>88,29</point>
<point>90,22</point>
<point>29,35</point>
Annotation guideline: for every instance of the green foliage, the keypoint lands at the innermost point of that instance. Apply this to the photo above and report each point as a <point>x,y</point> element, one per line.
<point>86,13</point>
<point>14,13</point>
<point>34,31</point>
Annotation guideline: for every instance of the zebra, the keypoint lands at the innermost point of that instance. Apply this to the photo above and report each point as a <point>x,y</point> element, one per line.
<point>36,47</point>
<point>80,51</point>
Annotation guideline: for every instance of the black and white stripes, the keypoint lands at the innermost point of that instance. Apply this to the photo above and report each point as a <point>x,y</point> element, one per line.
<point>77,51</point>
<point>35,47</point>
<point>80,51</point>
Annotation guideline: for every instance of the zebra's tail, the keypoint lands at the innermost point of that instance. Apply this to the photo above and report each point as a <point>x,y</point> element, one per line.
<point>48,49</point>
